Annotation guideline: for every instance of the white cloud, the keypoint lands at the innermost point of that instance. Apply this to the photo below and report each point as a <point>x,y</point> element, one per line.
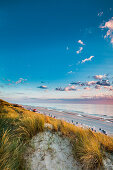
<point>100,14</point>
<point>81,42</point>
<point>70,72</point>
<point>79,51</point>
<point>109,26</point>
<point>87,59</point>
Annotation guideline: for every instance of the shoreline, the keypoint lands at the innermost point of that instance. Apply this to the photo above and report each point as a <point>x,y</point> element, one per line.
<point>96,123</point>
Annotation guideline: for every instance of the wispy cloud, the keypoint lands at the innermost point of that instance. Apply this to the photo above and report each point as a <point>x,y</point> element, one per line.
<point>21,80</point>
<point>75,83</point>
<point>8,84</point>
<point>81,42</point>
<point>88,83</point>
<point>70,72</point>
<point>100,14</point>
<point>87,59</point>
<point>79,51</point>
<point>109,26</point>
<point>59,89</point>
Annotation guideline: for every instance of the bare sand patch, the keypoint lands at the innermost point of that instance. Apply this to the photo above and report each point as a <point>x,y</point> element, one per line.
<point>108,162</point>
<point>51,152</point>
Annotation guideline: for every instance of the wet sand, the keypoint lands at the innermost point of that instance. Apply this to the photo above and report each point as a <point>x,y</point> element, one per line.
<point>79,120</point>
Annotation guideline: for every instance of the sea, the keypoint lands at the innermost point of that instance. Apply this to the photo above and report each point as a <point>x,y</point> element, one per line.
<point>97,110</point>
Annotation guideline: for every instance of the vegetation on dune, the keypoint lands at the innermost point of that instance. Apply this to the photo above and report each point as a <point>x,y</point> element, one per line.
<point>18,126</point>
<point>88,147</point>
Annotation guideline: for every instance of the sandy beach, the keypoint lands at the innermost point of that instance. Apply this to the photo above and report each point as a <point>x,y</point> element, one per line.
<point>89,121</point>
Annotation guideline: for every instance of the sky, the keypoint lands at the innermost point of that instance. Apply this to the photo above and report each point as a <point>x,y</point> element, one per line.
<point>56,49</point>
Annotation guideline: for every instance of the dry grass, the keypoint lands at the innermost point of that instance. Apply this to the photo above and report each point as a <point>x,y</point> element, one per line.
<point>88,146</point>
<point>11,150</point>
<point>106,142</point>
<point>87,149</point>
<point>29,126</point>
<point>18,126</point>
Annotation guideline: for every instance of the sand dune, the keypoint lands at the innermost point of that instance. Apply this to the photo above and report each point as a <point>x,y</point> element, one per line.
<point>52,152</point>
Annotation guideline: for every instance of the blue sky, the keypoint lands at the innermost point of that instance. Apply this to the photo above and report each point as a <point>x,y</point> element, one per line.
<point>49,44</point>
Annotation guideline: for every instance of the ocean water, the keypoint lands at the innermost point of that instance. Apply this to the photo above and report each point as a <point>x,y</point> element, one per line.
<point>104,111</point>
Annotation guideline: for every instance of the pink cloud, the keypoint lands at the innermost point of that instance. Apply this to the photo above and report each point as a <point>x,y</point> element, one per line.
<point>81,42</point>
<point>89,83</point>
<point>69,88</point>
<point>108,25</point>
<point>79,51</point>
<point>108,87</point>
<point>98,87</point>
<point>99,76</point>
<point>21,80</point>
<point>86,88</point>
<point>87,59</point>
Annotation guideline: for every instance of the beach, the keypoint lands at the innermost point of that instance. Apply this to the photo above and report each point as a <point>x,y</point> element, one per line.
<point>87,121</point>
<point>39,139</point>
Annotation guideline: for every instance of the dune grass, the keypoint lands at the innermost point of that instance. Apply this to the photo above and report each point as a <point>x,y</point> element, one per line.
<point>88,147</point>
<point>18,126</point>
<point>11,150</point>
